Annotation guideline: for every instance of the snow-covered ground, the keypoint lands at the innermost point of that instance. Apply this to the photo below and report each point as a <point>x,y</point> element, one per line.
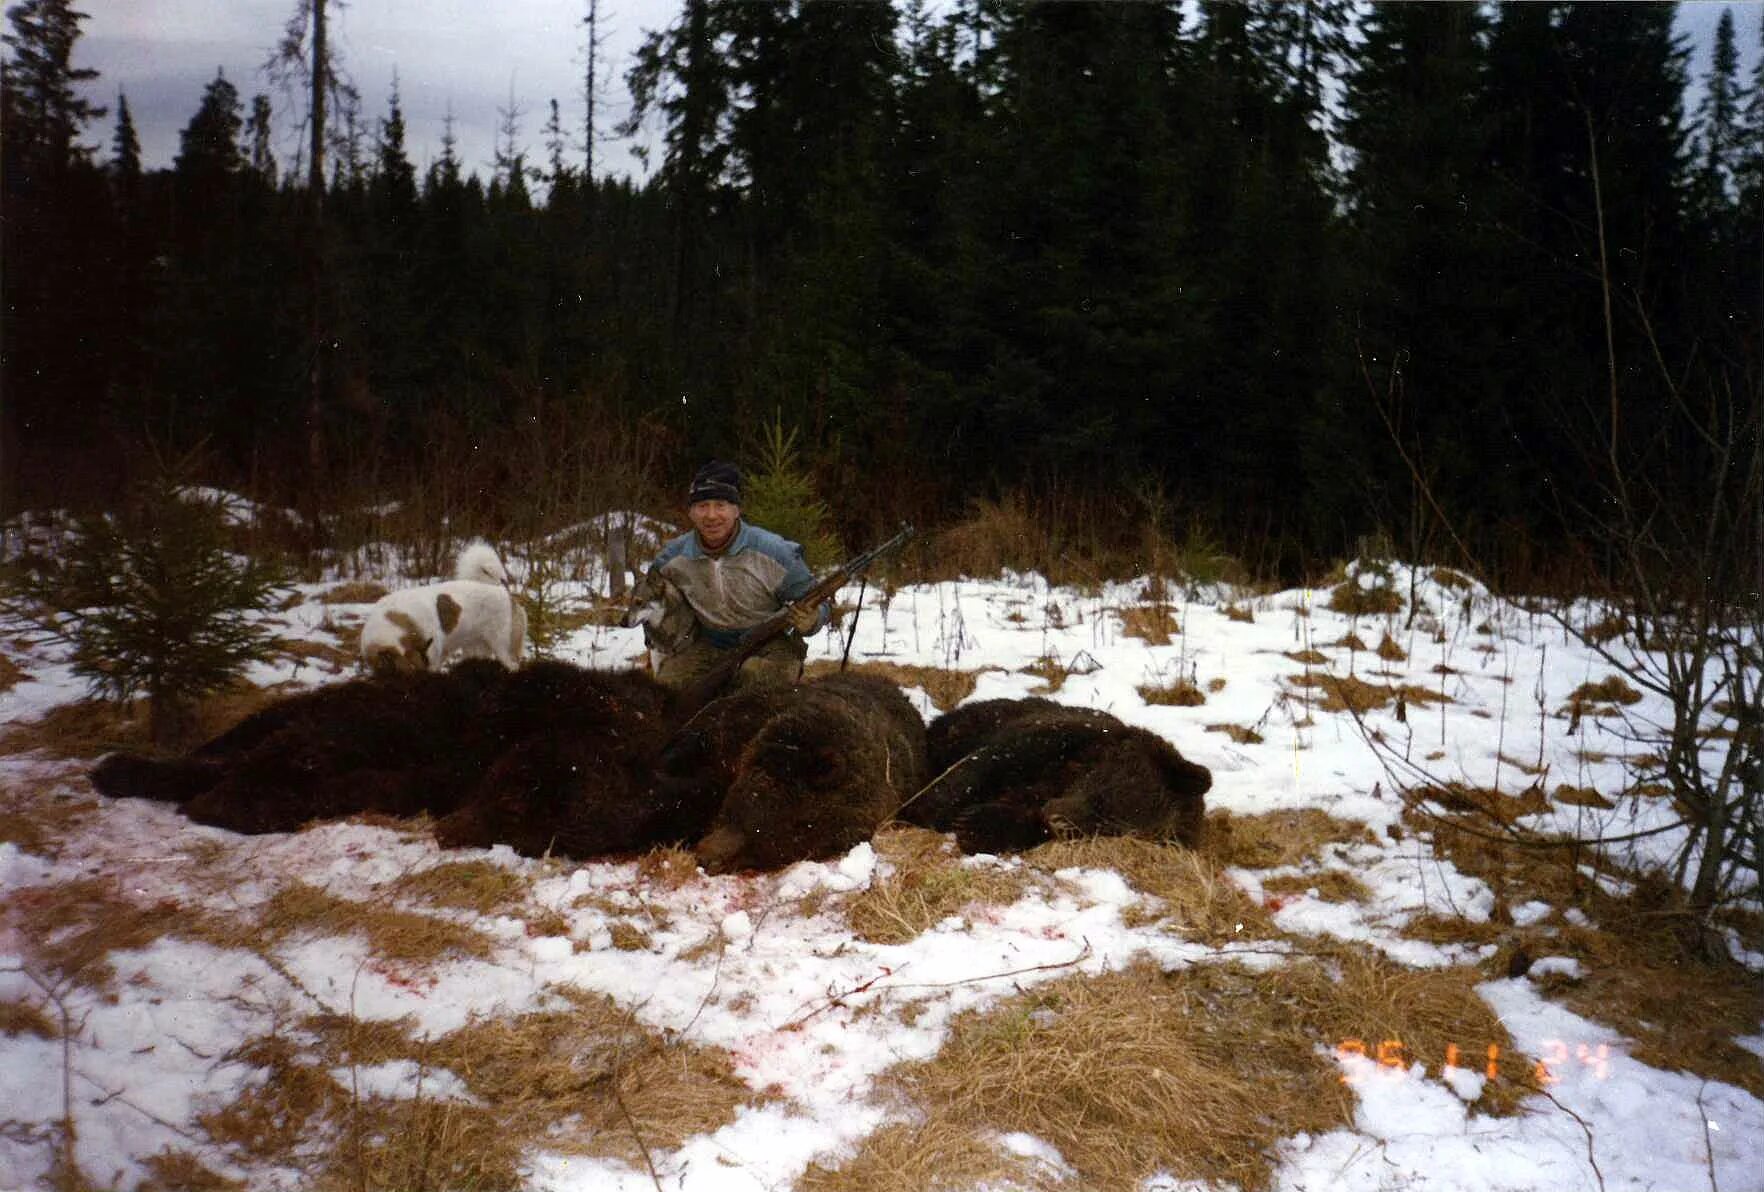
<point>765,969</point>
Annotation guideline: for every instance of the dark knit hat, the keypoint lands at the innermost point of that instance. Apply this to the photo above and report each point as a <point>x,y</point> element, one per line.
<point>718,480</point>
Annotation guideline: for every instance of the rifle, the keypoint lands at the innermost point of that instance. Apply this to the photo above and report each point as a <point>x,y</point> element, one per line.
<point>695,697</point>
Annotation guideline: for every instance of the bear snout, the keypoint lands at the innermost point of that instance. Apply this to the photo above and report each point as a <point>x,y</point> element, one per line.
<point>718,851</point>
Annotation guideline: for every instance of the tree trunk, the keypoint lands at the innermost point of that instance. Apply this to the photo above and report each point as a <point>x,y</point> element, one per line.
<point>311,499</point>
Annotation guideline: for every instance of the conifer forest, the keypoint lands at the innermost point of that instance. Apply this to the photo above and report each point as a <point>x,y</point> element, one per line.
<point>1276,276</point>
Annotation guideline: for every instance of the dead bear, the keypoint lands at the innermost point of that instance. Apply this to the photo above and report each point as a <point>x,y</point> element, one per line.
<point>398,744</point>
<point>830,763</point>
<point>576,780</point>
<point>1015,773</point>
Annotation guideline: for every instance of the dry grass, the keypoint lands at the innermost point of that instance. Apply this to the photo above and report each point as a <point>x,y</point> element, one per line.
<point>180,1171</point>
<point>1611,690</point>
<point>1425,1011</point>
<point>620,1087</point>
<point>1154,623</point>
<point>336,660</point>
<point>1445,577</point>
<point>928,883</point>
<point>81,729</point>
<point>1196,896</point>
<point>1603,630</point>
<point>628,937</point>
<point>1278,838</point>
<point>70,928</point>
<point>269,1119</point>
<point>1237,612</point>
<point>1485,802</point>
<point>1581,796</point>
<point>361,591</point>
<point>467,885</point>
<point>1442,928</point>
<point>1052,672</point>
<point>584,1079</point>
<point>669,868</point>
<point>23,1018</point>
<point>1355,601</point>
<point>1349,641</point>
<point>994,537</point>
<point>400,936</point>
<point>934,1156</point>
<point>1309,657</point>
<point>1330,885</point>
<point>87,729</point>
<point>11,674</point>
<point>947,688</point>
<point>1180,694</point>
<point>1390,651</point>
<point>1198,1073</point>
<point>1346,693</point>
<point>1644,961</point>
<point>1240,733</point>
<point>38,822</point>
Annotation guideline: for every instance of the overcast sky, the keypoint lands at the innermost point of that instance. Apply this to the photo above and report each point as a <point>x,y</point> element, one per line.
<point>465,54</point>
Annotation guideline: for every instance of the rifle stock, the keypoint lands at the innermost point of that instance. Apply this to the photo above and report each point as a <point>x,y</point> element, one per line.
<point>706,688</point>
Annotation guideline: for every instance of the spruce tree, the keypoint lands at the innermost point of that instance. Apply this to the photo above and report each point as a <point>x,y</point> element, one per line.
<point>1718,131</point>
<point>260,155</point>
<point>44,109</point>
<point>208,146</point>
<point>125,160</point>
<point>152,603</point>
<point>1421,295</point>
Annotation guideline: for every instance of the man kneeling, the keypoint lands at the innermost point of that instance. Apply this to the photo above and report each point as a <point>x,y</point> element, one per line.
<point>729,576</point>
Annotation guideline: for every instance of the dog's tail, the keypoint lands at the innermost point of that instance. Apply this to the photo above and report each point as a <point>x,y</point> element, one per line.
<point>479,562</point>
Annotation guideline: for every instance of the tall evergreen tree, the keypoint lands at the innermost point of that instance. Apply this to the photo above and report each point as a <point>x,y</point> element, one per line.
<point>394,177</point>
<point>1749,175</point>
<point>208,146</point>
<point>1093,307</point>
<point>1421,294</point>
<point>260,153</point>
<point>1718,129</point>
<point>125,158</point>
<point>44,109</point>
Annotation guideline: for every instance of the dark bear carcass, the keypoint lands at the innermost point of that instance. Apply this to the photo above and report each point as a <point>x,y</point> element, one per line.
<point>398,744</point>
<point>808,772</point>
<point>576,779</point>
<point>1014,773</point>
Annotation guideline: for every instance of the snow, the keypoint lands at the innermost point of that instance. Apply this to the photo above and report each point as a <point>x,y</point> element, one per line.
<point>758,965</point>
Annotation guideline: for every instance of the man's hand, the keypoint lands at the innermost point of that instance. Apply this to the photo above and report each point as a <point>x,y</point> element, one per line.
<point>805,620</point>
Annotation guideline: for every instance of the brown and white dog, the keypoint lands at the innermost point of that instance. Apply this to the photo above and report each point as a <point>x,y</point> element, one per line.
<point>475,615</point>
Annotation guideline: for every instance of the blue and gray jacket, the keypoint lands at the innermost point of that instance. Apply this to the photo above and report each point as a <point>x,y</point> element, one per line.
<point>751,578</point>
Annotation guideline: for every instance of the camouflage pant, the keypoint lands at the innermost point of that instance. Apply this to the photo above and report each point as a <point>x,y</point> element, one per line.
<point>777,664</point>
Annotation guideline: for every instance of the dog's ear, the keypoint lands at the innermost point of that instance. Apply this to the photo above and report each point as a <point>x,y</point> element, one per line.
<point>411,641</point>
<point>448,609</point>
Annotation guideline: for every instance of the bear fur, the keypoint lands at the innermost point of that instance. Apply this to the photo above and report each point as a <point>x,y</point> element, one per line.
<point>398,744</point>
<point>830,761</point>
<point>576,776</point>
<point>1014,773</point>
<point>552,753</point>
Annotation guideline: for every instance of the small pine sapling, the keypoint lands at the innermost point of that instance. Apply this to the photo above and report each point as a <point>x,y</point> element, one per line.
<point>150,602</point>
<point>779,495</point>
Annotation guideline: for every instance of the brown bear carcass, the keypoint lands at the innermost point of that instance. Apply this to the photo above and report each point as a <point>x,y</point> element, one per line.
<point>808,772</point>
<point>1014,773</point>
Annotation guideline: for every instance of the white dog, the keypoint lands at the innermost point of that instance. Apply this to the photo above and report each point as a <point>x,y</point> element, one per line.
<point>475,615</point>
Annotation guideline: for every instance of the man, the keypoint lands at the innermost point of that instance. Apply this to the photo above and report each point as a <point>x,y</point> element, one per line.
<point>734,575</point>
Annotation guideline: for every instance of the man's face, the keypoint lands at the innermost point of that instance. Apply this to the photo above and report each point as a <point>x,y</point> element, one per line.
<point>714,521</point>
